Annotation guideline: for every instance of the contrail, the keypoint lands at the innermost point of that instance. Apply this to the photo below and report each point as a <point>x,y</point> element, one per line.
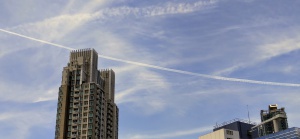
<point>34,39</point>
<point>163,68</point>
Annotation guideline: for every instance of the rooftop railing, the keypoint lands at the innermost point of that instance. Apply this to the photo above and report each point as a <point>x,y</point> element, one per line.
<point>234,120</point>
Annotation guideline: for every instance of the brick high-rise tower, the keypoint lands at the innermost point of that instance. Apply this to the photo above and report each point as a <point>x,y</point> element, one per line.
<point>86,107</point>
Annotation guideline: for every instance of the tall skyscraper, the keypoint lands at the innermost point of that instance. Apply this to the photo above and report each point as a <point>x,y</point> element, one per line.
<point>86,107</point>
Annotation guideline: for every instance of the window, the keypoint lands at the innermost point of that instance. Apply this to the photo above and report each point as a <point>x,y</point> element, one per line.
<point>90,126</point>
<point>229,132</point>
<point>86,97</point>
<point>90,132</point>
<point>74,121</point>
<point>83,131</point>
<point>74,127</point>
<point>85,108</point>
<point>84,120</point>
<point>92,86</point>
<point>85,114</point>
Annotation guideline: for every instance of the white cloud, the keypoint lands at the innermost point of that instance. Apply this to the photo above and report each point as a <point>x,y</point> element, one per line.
<point>144,92</point>
<point>47,95</point>
<point>264,52</point>
<point>55,28</point>
<point>30,76</point>
<point>6,50</point>
<point>22,122</point>
<point>173,134</point>
<point>156,10</point>
<point>26,94</point>
<point>278,48</point>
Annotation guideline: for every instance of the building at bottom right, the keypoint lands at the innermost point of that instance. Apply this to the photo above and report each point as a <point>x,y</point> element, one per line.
<point>274,125</point>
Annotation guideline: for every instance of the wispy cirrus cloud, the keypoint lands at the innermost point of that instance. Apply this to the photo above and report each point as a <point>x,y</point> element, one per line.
<point>59,26</point>
<point>22,122</point>
<point>162,9</point>
<point>174,134</point>
<point>281,47</point>
<point>268,49</point>
<point>41,92</point>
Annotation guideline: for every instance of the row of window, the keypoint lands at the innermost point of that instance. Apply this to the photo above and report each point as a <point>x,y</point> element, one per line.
<point>229,132</point>
<point>88,132</point>
<point>76,121</point>
<point>79,110</point>
<point>84,114</point>
<point>81,93</point>
<point>90,126</point>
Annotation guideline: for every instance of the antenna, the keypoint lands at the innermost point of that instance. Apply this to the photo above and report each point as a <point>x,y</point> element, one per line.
<point>248,113</point>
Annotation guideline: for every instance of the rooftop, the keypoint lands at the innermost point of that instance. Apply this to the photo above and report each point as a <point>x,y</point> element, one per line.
<point>234,120</point>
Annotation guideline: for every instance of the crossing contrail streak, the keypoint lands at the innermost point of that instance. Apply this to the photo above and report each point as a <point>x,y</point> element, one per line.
<point>163,68</point>
<point>34,39</point>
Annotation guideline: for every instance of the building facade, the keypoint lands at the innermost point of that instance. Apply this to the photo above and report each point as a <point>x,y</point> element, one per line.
<point>222,134</point>
<point>233,129</point>
<point>240,125</point>
<point>86,107</point>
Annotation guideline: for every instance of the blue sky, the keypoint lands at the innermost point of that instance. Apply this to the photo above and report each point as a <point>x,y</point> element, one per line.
<point>198,62</point>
